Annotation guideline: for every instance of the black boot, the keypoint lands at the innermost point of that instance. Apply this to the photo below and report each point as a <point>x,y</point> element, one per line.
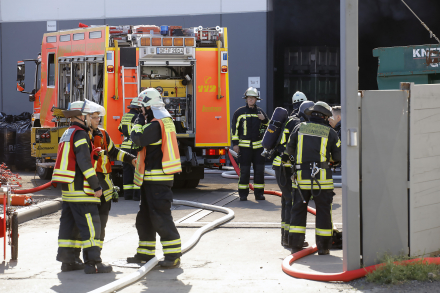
<point>295,249</point>
<point>285,239</point>
<point>139,260</point>
<point>260,197</point>
<point>67,267</point>
<point>243,198</point>
<point>170,263</point>
<point>323,251</point>
<point>103,268</point>
<point>305,244</point>
<point>90,268</point>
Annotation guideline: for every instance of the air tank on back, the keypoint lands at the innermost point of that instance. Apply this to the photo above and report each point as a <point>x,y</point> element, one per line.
<point>272,136</point>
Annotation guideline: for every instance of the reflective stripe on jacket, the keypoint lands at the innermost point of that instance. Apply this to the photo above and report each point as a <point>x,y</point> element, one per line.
<point>247,129</point>
<point>314,142</point>
<point>170,155</point>
<point>76,187</point>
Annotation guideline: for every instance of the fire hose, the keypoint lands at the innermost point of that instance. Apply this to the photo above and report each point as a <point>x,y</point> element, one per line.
<point>343,276</point>
<point>35,189</point>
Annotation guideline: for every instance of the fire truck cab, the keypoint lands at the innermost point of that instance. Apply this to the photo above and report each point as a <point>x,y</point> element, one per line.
<point>111,65</point>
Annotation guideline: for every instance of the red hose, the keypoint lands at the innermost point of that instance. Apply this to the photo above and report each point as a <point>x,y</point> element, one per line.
<point>344,276</point>
<point>35,189</point>
<point>251,186</point>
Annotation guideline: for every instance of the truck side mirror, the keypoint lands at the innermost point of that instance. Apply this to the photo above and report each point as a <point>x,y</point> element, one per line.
<point>20,76</point>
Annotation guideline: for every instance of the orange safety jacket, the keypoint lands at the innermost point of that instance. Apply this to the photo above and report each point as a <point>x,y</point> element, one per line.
<point>64,171</point>
<point>171,157</point>
<point>103,165</point>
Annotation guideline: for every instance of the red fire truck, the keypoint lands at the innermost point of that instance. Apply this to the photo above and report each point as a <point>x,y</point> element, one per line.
<point>110,65</point>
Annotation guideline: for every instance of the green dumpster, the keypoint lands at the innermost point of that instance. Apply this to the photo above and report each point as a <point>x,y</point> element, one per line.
<point>418,64</point>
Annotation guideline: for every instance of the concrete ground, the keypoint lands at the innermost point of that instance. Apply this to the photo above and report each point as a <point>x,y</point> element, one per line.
<point>232,258</point>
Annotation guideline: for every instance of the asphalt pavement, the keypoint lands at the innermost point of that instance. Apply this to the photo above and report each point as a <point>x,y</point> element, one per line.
<point>243,255</point>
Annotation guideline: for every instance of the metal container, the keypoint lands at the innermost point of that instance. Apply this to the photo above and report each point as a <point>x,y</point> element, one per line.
<point>418,64</point>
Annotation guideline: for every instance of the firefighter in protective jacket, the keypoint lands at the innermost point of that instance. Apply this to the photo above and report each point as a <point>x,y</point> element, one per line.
<point>248,126</point>
<point>283,171</point>
<point>80,194</point>
<point>131,190</point>
<point>313,145</point>
<point>103,167</point>
<point>157,161</point>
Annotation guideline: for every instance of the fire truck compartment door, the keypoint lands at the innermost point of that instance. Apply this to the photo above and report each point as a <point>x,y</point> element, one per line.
<point>212,113</point>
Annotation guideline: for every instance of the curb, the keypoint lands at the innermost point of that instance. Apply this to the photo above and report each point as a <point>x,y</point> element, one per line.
<point>39,210</point>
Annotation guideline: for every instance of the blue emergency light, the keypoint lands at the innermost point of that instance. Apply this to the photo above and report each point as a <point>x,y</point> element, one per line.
<point>164,30</point>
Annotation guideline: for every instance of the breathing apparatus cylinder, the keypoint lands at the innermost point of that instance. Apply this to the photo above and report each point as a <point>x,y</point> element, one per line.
<point>273,133</point>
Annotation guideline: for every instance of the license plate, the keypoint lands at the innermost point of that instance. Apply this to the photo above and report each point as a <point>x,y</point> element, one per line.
<point>169,50</point>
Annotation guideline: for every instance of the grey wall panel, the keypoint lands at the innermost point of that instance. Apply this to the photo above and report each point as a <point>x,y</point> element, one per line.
<point>19,41</point>
<point>384,174</point>
<point>22,40</point>
<point>247,50</point>
<point>424,171</point>
<point>1,70</point>
<point>247,55</point>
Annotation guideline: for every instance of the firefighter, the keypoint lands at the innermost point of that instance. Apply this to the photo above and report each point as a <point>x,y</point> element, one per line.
<point>80,193</point>
<point>248,126</point>
<point>283,172</point>
<point>131,190</point>
<point>335,120</point>
<point>157,161</point>
<point>313,144</point>
<point>101,139</point>
<point>297,100</point>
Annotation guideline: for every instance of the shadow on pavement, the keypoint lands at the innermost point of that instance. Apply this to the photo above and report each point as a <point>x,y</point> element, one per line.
<point>69,281</point>
<point>158,279</point>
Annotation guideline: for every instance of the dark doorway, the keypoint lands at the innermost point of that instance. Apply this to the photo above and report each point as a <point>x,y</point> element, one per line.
<point>307,35</point>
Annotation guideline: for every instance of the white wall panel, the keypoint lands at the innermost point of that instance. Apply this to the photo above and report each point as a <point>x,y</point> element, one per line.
<point>41,10</point>
<point>424,169</point>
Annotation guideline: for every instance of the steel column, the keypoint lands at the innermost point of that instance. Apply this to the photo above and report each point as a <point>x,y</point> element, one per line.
<point>350,135</point>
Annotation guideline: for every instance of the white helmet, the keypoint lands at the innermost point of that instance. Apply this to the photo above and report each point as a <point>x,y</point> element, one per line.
<point>251,92</point>
<point>85,107</point>
<point>150,97</point>
<point>298,97</point>
<point>134,104</point>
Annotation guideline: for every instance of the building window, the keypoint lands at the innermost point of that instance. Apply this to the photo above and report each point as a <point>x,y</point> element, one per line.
<point>51,39</point>
<point>95,35</point>
<point>77,37</point>
<point>51,69</point>
<point>64,38</point>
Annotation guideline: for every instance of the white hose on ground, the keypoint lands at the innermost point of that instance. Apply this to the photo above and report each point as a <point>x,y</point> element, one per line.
<point>136,276</point>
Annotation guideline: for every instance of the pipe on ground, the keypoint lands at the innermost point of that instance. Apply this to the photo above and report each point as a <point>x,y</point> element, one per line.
<point>140,273</point>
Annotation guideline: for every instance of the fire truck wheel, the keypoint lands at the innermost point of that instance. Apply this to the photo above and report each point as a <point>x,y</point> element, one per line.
<point>178,184</point>
<point>44,173</point>
<point>14,236</point>
<point>192,183</point>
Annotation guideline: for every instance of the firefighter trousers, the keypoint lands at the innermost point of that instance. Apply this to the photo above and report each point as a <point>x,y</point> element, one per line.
<point>104,209</point>
<point>80,227</point>
<point>154,216</point>
<point>131,190</point>
<point>284,181</point>
<point>247,157</point>
<point>324,225</point>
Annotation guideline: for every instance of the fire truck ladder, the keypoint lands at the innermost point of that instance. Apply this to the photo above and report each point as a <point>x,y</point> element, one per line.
<point>130,76</point>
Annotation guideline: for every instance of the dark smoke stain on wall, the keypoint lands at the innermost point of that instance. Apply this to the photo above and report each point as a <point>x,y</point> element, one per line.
<point>382,23</point>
